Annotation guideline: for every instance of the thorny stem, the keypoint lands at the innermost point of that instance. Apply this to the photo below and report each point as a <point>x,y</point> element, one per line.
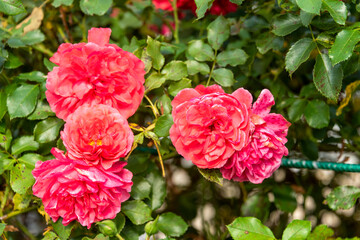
<point>176,20</point>
<point>212,69</point>
<point>15,213</point>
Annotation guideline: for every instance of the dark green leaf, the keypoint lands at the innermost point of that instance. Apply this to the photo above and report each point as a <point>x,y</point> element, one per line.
<point>164,103</point>
<point>297,109</point>
<point>24,143</point>
<point>285,198</point>
<point>13,62</point>
<point>327,78</point>
<point>176,87</point>
<point>321,232</point>
<point>296,230</point>
<point>155,80</point>
<point>41,111</point>
<point>171,224</point>
<point>202,6</point>
<point>141,188</point>
<point>256,205</point>
<point>49,65</point>
<point>306,18</point>
<point>238,2</point>
<point>200,51</point>
<point>267,41</point>
<point>298,54</point>
<point>218,32</point>
<point>62,231</point>
<point>28,39</point>
<point>131,232</point>
<point>286,24</point>
<point>232,58</point>
<point>175,70</point>
<point>47,130</point>
<point>120,221</point>
<point>158,189</point>
<point>195,67</point>
<point>337,10</point>
<point>249,228</point>
<point>3,107</point>
<point>21,178</point>
<point>163,125</point>
<point>310,6</point>
<point>343,197</point>
<point>153,50</point>
<point>97,7</point>
<point>317,114</point>
<point>34,76</point>
<point>224,77</point>
<point>5,162</point>
<point>58,3</point>
<point>212,175</point>
<point>344,45</point>
<point>137,211</point>
<point>22,101</point>
<point>11,7</point>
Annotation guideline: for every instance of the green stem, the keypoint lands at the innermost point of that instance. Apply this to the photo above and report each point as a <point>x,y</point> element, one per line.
<point>42,49</point>
<point>212,69</point>
<point>153,108</point>
<point>176,20</point>
<point>25,230</point>
<point>119,237</point>
<point>15,213</point>
<point>313,37</point>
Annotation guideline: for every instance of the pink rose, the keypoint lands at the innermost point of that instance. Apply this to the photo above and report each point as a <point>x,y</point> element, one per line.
<point>210,125</point>
<point>262,156</point>
<point>95,73</point>
<point>97,134</point>
<point>75,191</point>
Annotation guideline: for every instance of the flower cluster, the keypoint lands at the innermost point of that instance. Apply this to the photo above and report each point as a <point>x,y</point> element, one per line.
<point>214,129</point>
<point>95,88</point>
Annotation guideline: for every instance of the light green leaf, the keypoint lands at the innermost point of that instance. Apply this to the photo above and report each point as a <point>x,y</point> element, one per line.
<point>202,6</point>
<point>232,57</point>
<point>21,178</point>
<point>30,159</point>
<point>141,188</point>
<point>321,232</point>
<point>195,67</point>
<point>238,2</point>
<point>297,230</point>
<point>298,54</point>
<point>155,80</point>
<point>34,76</point>
<point>12,7</point>
<point>224,77</point>
<point>249,228</point>
<point>297,109</point>
<point>175,70</point>
<point>58,3</point>
<point>13,62</point>
<point>218,32</point>
<point>176,87</point>
<point>337,10</point>
<point>2,227</point>
<point>327,78</point>
<point>310,6</point>
<point>41,111</point>
<point>343,197</point>
<point>306,18</point>
<point>172,224</point>
<point>47,130</point>
<point>137,211</point>
<point>212,175</point>
<point>62,231</point>
<point>24,143</point>
<point>97,7</point>
<point>163,125</point>
<point>286,24</point>
<point>317,114</point>
<point>21,201</point>
<point>158,189</point>
<point>200,51</point>
<point>153,50</point>
<point>28,39</point>
<point>344,45</point>
<point>22,101</point>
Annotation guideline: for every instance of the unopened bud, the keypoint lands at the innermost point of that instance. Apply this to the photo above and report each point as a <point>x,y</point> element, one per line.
<point>108,228</point>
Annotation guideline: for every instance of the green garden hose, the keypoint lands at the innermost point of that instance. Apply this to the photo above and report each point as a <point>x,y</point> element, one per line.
<point>338,167</point>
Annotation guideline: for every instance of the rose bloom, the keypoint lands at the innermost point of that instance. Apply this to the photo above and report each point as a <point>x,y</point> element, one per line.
<point>97,135</point>
<point>262,156</point>
<point>95,73</point>
<point>219,7</point>
<point>210,125</point>
<point>75,191</point>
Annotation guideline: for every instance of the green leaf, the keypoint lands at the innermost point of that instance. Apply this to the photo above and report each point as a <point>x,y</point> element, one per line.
<point>310,6</point>
<point>298,54</point>
<point>325,39</point>
<point>21,201</point>
<point>62,231</point>
<point>5,162</point>
<point>49,65</point>
<point>176,87</point>
<point>317,114</point>
<point>171,224</point>
<point>297,230</point>
<point>224,77</point>
<point>3,107</point>
<point>97,7</point>
<point>47,130</point>
<point>297,109</point>
<point>141,188</point>
<point>344,45</point>
<point>30,159</point>
<point>218,32</point>
<point>238,2</point>
<point>34,76</point>
<point>249,228</point>
<point>200,51</point>
<point>23,144</point>
<point>256,205</point>
<point>13,62</point>
<point>267,41</point>
<point>321,232</point>
<point>50,236</point>
<point>41,111</point>
<point>232,57</point>
<point>327,78</point>
<point>202,6</point>
<point>195,67</point>
<point>137,211</point>
<point>343,197</point>
<point>164,103</point>
<point>153,50</point>
<point>21,178</point>
<point>306,18</point>
<point>158,189</point>
<point>28,39</point>
<point>2,227</point>
<point>22,101</point>
<point>155,80</point>
<point>285,198</point>
<point>5,140</point>
<point>12,7</point>
<point>212,175</point>
<point>286,24</point>
<point>175,70</point>
<point>337,10</point>
<point>163,125</point>
<point>58,3</point>
<point>120,221</point>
